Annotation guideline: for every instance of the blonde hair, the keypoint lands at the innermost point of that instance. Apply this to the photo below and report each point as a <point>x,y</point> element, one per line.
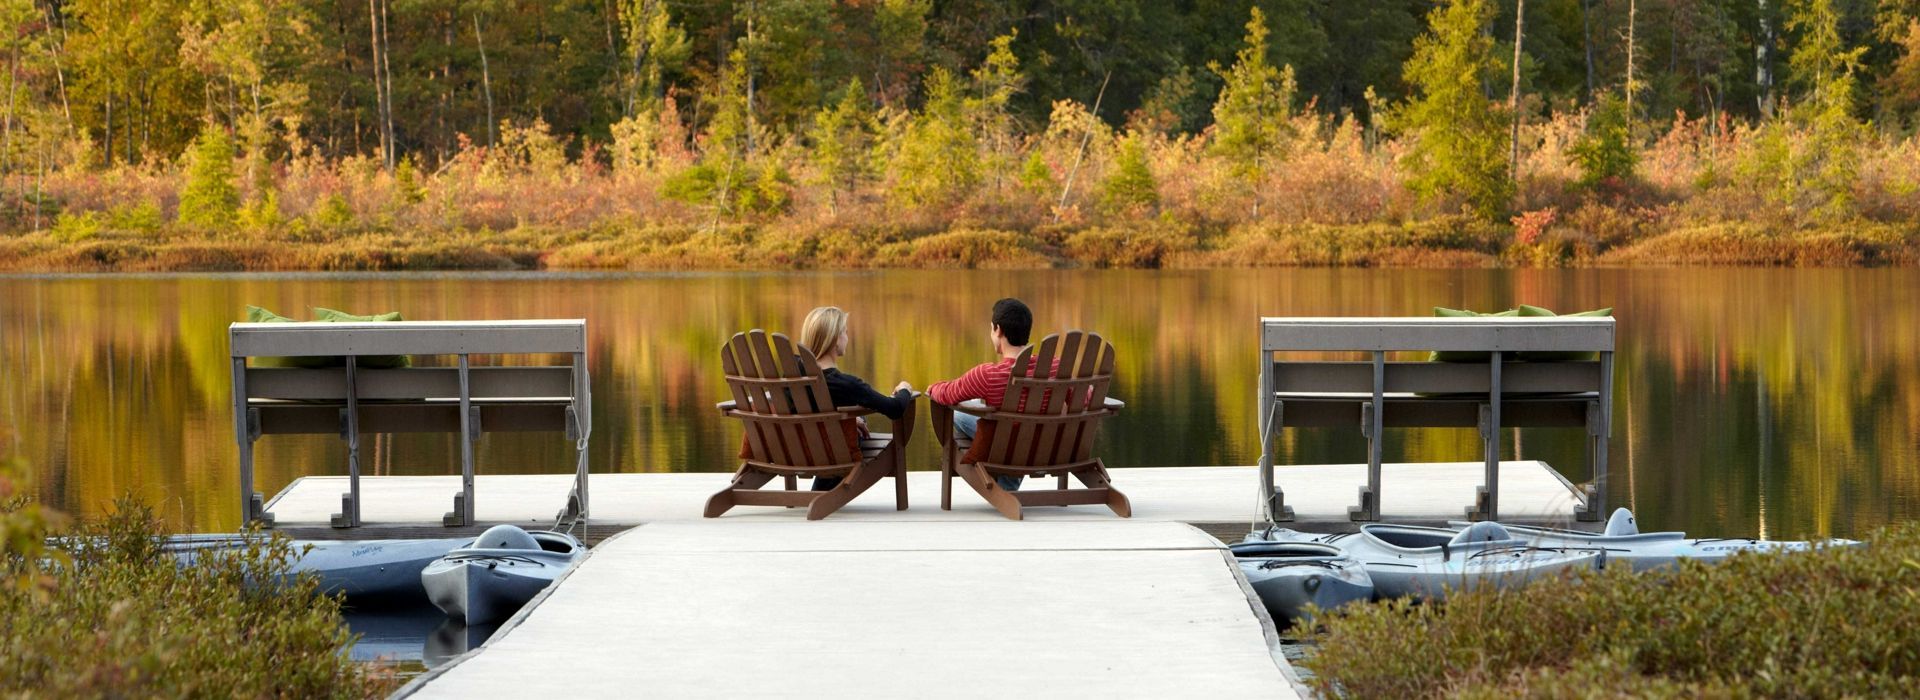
<point>822,330</point>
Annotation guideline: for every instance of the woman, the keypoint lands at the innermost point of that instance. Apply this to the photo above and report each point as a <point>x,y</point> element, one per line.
<point>825,333</point>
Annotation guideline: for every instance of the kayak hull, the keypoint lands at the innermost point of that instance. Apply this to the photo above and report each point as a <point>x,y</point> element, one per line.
<point>485,585</point>
<point>1292,578</point>
<point>1427,563</point>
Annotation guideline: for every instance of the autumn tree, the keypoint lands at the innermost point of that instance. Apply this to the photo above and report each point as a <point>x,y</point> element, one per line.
<point>1460,137</point>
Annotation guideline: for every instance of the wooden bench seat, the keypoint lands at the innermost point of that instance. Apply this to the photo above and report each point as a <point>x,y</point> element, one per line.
<point>1488,395</point>
<point>462,399</point>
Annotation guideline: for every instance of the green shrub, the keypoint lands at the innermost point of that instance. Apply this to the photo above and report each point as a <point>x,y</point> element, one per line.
<point>70,227</point>
<point>1834,622</point>
<point>209,199</point>
<point>111,615</point>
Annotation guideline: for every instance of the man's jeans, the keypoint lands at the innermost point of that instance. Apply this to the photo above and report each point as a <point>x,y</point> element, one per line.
<point>964,425</point>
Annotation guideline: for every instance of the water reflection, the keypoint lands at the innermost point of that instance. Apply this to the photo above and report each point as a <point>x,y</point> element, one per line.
<point>412,639</point>
<point>1777,401</point>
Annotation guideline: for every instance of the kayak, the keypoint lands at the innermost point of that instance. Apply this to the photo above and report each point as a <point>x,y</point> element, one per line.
<point>1624,543</point>
<point>1289,576</point>
<point>502,570</point>
<point>1427,562</point>
<point>369,572</point>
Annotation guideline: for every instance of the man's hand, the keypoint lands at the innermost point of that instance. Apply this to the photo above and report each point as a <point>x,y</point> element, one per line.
<point>903,385</point>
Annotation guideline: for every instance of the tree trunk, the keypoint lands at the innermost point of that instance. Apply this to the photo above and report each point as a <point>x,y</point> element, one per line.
<point>1632,9</point>
<point>1067,187</point>
<point>379,89</point>
<point>386,71</point>
<point>109,120</point>
<point>1513,97</point>
<point>1763,62</point>
<point>60,74</point>
<point>486,78</point>
<point>1586,42</point>
<point>752,9</point>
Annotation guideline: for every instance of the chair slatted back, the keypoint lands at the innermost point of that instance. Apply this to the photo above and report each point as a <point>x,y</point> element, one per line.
<point>781,395</point>
<point>1050,417</point>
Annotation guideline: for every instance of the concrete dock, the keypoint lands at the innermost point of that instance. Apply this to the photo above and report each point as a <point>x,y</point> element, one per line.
<point>875,602</point>
<point>863,608</point>
<point>1221,500</point>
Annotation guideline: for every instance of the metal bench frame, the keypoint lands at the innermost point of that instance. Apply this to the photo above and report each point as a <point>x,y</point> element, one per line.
<point>1484,395</point>
<point>465,400</point>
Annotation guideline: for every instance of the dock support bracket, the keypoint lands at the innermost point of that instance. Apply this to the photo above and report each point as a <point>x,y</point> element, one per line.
<point>1371,422</point>
<point>349,515</point>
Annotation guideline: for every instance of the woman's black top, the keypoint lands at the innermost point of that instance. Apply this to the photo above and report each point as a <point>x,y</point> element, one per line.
<point>849,390</point>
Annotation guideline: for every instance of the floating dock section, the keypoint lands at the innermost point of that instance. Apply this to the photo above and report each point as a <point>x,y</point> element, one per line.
<point>866,609</point>
<point>876,602</point>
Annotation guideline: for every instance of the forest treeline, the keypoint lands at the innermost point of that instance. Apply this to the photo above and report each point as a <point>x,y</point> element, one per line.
<point>772,133</point>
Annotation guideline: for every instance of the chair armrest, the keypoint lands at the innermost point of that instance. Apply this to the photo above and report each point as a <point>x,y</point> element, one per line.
<point>1115,404</point>
<point>974,407</point>
<point>725,406</point>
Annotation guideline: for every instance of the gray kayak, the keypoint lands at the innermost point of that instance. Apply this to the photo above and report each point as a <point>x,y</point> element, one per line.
<point>1626,545</point>
<point>1428,562</point>
<point>369,572</point>
<point>503,569</point>
<point>1289,576</point>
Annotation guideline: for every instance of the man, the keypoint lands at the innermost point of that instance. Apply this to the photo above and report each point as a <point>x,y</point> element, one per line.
<point>1012,328</point>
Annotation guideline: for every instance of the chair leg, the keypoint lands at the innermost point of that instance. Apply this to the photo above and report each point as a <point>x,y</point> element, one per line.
<point>862,478</point>
<point>999,498</point>
<point>899,481</point>
<point>743,480</point>
<point>946,485</point>
<point>1095,477</point>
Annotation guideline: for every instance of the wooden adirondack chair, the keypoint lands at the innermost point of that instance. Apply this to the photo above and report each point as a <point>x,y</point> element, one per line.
<point>794,430</point>
<point>1043,426</point>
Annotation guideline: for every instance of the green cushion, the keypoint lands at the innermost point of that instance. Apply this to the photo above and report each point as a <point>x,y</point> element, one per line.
<point>256,314</point>
<point>1464,355</point>
<point>1559,356</point>
<point>367,361</point>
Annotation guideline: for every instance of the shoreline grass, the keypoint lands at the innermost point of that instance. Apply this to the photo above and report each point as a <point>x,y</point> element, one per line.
<point>1833,622</point>
<point>1447,242</point>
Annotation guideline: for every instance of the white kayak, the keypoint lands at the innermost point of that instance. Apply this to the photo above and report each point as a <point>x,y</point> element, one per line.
<point>1624,543</point>
<point>1288,576</point>
<point>503,569</point>
<point>1427,562</point>
<point>369,572</point>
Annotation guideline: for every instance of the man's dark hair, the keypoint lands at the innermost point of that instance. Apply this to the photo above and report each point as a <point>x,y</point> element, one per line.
<point>1014,319</point>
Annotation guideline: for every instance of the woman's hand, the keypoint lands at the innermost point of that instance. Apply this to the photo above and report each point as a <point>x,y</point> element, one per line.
<point>903,385</point>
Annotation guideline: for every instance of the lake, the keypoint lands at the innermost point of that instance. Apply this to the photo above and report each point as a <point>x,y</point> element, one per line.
<point>1780,403</point>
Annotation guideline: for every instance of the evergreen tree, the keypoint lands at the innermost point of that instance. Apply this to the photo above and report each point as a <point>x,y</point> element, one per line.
<point>1824,67</point>
<point>995,82</point>
<point>1251,118</point>
<point>1131,185</point>
<point>1460,137</point>
<point>842,141</point>
<point>1604,152</point>
<point>209,200</point>
<point>655,45</point>
<point>937,157</point>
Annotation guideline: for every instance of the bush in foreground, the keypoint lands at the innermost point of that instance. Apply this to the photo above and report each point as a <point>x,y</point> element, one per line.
<point>113,616</point>
<point>1829,623</point>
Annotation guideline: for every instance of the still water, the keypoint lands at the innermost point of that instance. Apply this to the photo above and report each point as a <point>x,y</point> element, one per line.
<point>1764,402</point>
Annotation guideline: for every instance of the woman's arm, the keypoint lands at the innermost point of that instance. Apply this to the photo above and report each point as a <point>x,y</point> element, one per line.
<point>849,390</point>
